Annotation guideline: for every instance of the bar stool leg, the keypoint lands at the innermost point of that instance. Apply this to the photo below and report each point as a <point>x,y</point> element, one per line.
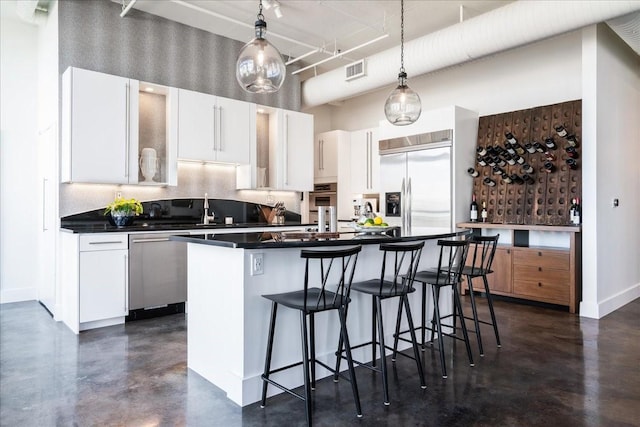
<point>267,361</point>
<point>475,316</point>
<point>436,314</point>
<point>458,305</point>
<point>312,339</point>
<point>423,329</point>
<point>397,334</point>
<point>383,360</point>
<point>374,318</point>
<point>344,337</point>
<point>493,314</point>
<point>305,364</point>
<point>412,331</point>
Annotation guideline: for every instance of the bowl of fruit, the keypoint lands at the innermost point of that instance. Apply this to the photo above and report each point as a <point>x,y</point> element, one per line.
<point>372,225</point>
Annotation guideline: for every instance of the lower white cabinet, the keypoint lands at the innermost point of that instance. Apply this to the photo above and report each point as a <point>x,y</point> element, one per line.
<point>103,284</point>
<point>94,279</point>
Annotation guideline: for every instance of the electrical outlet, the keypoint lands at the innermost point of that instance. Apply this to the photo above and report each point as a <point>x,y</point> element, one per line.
<point>257,264</point>
<point>118,194</point>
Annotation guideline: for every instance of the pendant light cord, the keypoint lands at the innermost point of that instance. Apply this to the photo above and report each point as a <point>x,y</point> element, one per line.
<point>402,36</point>
<point>260,15</point>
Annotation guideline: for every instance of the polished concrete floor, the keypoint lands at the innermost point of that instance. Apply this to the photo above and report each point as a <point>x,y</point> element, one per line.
<point>554,369</point>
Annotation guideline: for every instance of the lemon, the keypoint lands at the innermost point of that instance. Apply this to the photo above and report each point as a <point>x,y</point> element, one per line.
<point>377,220</point>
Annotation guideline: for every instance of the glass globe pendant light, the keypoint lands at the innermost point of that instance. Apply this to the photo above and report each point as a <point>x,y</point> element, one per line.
<point>403,104</point>
<point>260,68</point>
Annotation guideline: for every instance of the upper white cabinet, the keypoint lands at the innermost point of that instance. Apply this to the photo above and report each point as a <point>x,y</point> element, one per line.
<point>108,122</point>
<point>215,129</point>
<point>99,128</point>
<point>282,152</point>
<point>365,161</point>
<point>325,156</point>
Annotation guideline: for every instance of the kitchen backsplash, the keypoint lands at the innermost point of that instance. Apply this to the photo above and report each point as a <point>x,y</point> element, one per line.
<point>194,179</point>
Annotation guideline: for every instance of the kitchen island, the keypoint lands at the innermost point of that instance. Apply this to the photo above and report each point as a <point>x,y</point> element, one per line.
<point>228,318</point>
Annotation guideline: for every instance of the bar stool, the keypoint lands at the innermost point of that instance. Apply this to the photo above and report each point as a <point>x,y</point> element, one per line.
<point>482,249</point>
<point>334,267</point>
<point>451,260</point>
<point>399,265</point>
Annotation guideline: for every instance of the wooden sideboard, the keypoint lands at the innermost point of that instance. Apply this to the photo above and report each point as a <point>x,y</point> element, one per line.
<point>534,272</point>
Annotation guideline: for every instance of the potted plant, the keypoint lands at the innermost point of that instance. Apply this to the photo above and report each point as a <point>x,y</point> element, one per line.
<point>122,211</point>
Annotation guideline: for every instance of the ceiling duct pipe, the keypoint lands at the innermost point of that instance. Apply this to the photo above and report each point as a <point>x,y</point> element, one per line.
<point>510,26</point>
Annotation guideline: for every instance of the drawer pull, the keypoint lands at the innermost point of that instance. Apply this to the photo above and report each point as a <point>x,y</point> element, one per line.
<point>539,284</point>
<point>159,239</point>
<point>539,268</point>
<point>114,242</point>
<point>539,253</point>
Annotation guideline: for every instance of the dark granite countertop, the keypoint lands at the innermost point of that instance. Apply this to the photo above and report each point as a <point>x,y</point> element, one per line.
<point>269,240</point>
<point>142,226</point>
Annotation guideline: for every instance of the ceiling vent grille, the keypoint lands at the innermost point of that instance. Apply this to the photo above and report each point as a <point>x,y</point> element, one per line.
<point>355,70</point>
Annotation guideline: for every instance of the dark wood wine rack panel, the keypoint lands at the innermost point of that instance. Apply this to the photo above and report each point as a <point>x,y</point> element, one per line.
<point>546,200</point>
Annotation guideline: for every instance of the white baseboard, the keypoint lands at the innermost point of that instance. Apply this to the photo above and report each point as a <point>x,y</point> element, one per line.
<point>18,295</point>
<point>597,310</point>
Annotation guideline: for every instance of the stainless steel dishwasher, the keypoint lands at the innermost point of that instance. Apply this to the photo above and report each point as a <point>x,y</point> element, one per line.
<point>157,272</point>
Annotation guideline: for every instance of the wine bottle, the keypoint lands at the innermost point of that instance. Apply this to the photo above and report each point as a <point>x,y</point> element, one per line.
<point>572,211</point>
<point>484,214</point>
<point>510,138</point>
<point>490,182</point>
<point>520,160</point>
<point>481,150</point>
<point>516,179</point>
<point>492,161</point>
<point>511,160</point>
<point>550,143</point>
<point>510,149</point>
<point>549,156</point>
<point>519,150</point>
<point>474,173</point>
<point>497,170</point>
<point>573,165</point>
<point>473,209</point>
<point>528,179</point>
<point>498,150</point>
<point>482,161</point>
<point>506,179</point>
<point>548,167</point>
<point>561,131</point>
<point>539,148</point>
<point>577,216</point>
<point>500,162</point>
<point>526,168</point>
<point>530,148</point>
<point>571,152</point>
<point>572,141</point>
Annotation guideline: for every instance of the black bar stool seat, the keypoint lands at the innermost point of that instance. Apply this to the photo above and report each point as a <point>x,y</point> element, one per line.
<point>326,268</point>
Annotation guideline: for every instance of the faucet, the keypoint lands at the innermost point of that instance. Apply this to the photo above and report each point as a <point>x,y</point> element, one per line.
<point>206,218</point>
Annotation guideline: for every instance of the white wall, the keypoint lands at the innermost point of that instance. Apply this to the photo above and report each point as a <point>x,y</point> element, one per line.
<point>611,269</point>
<point>542,73</point>
<point>18,159</point>
<point>548,72</point>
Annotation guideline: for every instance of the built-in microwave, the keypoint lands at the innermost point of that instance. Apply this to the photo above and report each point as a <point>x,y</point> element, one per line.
<point>322,195</point>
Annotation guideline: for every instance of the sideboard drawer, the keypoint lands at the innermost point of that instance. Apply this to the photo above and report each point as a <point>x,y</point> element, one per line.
<point>542,290</point>
<point>556,259</point>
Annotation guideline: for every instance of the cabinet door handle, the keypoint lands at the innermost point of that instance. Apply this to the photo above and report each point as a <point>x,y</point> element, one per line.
<point>126,283</point>
<point>286,149</point>
<point>368,161</point>
<point>44,199</point>
<point>157,239</point>
<point>111,242</point>
<point>539,253</point>
<point>322,154</point>
<point>319,154</point>
<point>539,284</point>
<point>220,147</point>
<point>127,129</point>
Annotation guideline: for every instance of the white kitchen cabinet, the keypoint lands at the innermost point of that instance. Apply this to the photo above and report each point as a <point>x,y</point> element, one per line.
<point>99,128</point>
<point>325,156</point>
<point>95,279</point>
<point>282,152</point>
<point>365,162</point>
<point>214,129</point>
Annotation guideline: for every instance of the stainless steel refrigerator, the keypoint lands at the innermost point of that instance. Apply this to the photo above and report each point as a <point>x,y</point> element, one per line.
<point>416,182</point>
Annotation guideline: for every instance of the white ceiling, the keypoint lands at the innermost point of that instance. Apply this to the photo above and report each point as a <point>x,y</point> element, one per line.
<point>333,26</point>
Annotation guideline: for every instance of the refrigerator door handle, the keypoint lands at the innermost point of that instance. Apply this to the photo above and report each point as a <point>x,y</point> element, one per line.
<point>403,202</point>
<point>409,196</point>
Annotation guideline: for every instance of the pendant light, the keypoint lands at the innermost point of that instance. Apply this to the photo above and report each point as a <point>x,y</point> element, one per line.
<point>260,68</point>
<point>403,104</point>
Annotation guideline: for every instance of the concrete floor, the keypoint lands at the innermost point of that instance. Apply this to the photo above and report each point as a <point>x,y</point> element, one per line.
<point>554,369</point>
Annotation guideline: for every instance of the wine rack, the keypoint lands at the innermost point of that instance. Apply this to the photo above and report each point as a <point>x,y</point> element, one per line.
<point>547,198</point>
